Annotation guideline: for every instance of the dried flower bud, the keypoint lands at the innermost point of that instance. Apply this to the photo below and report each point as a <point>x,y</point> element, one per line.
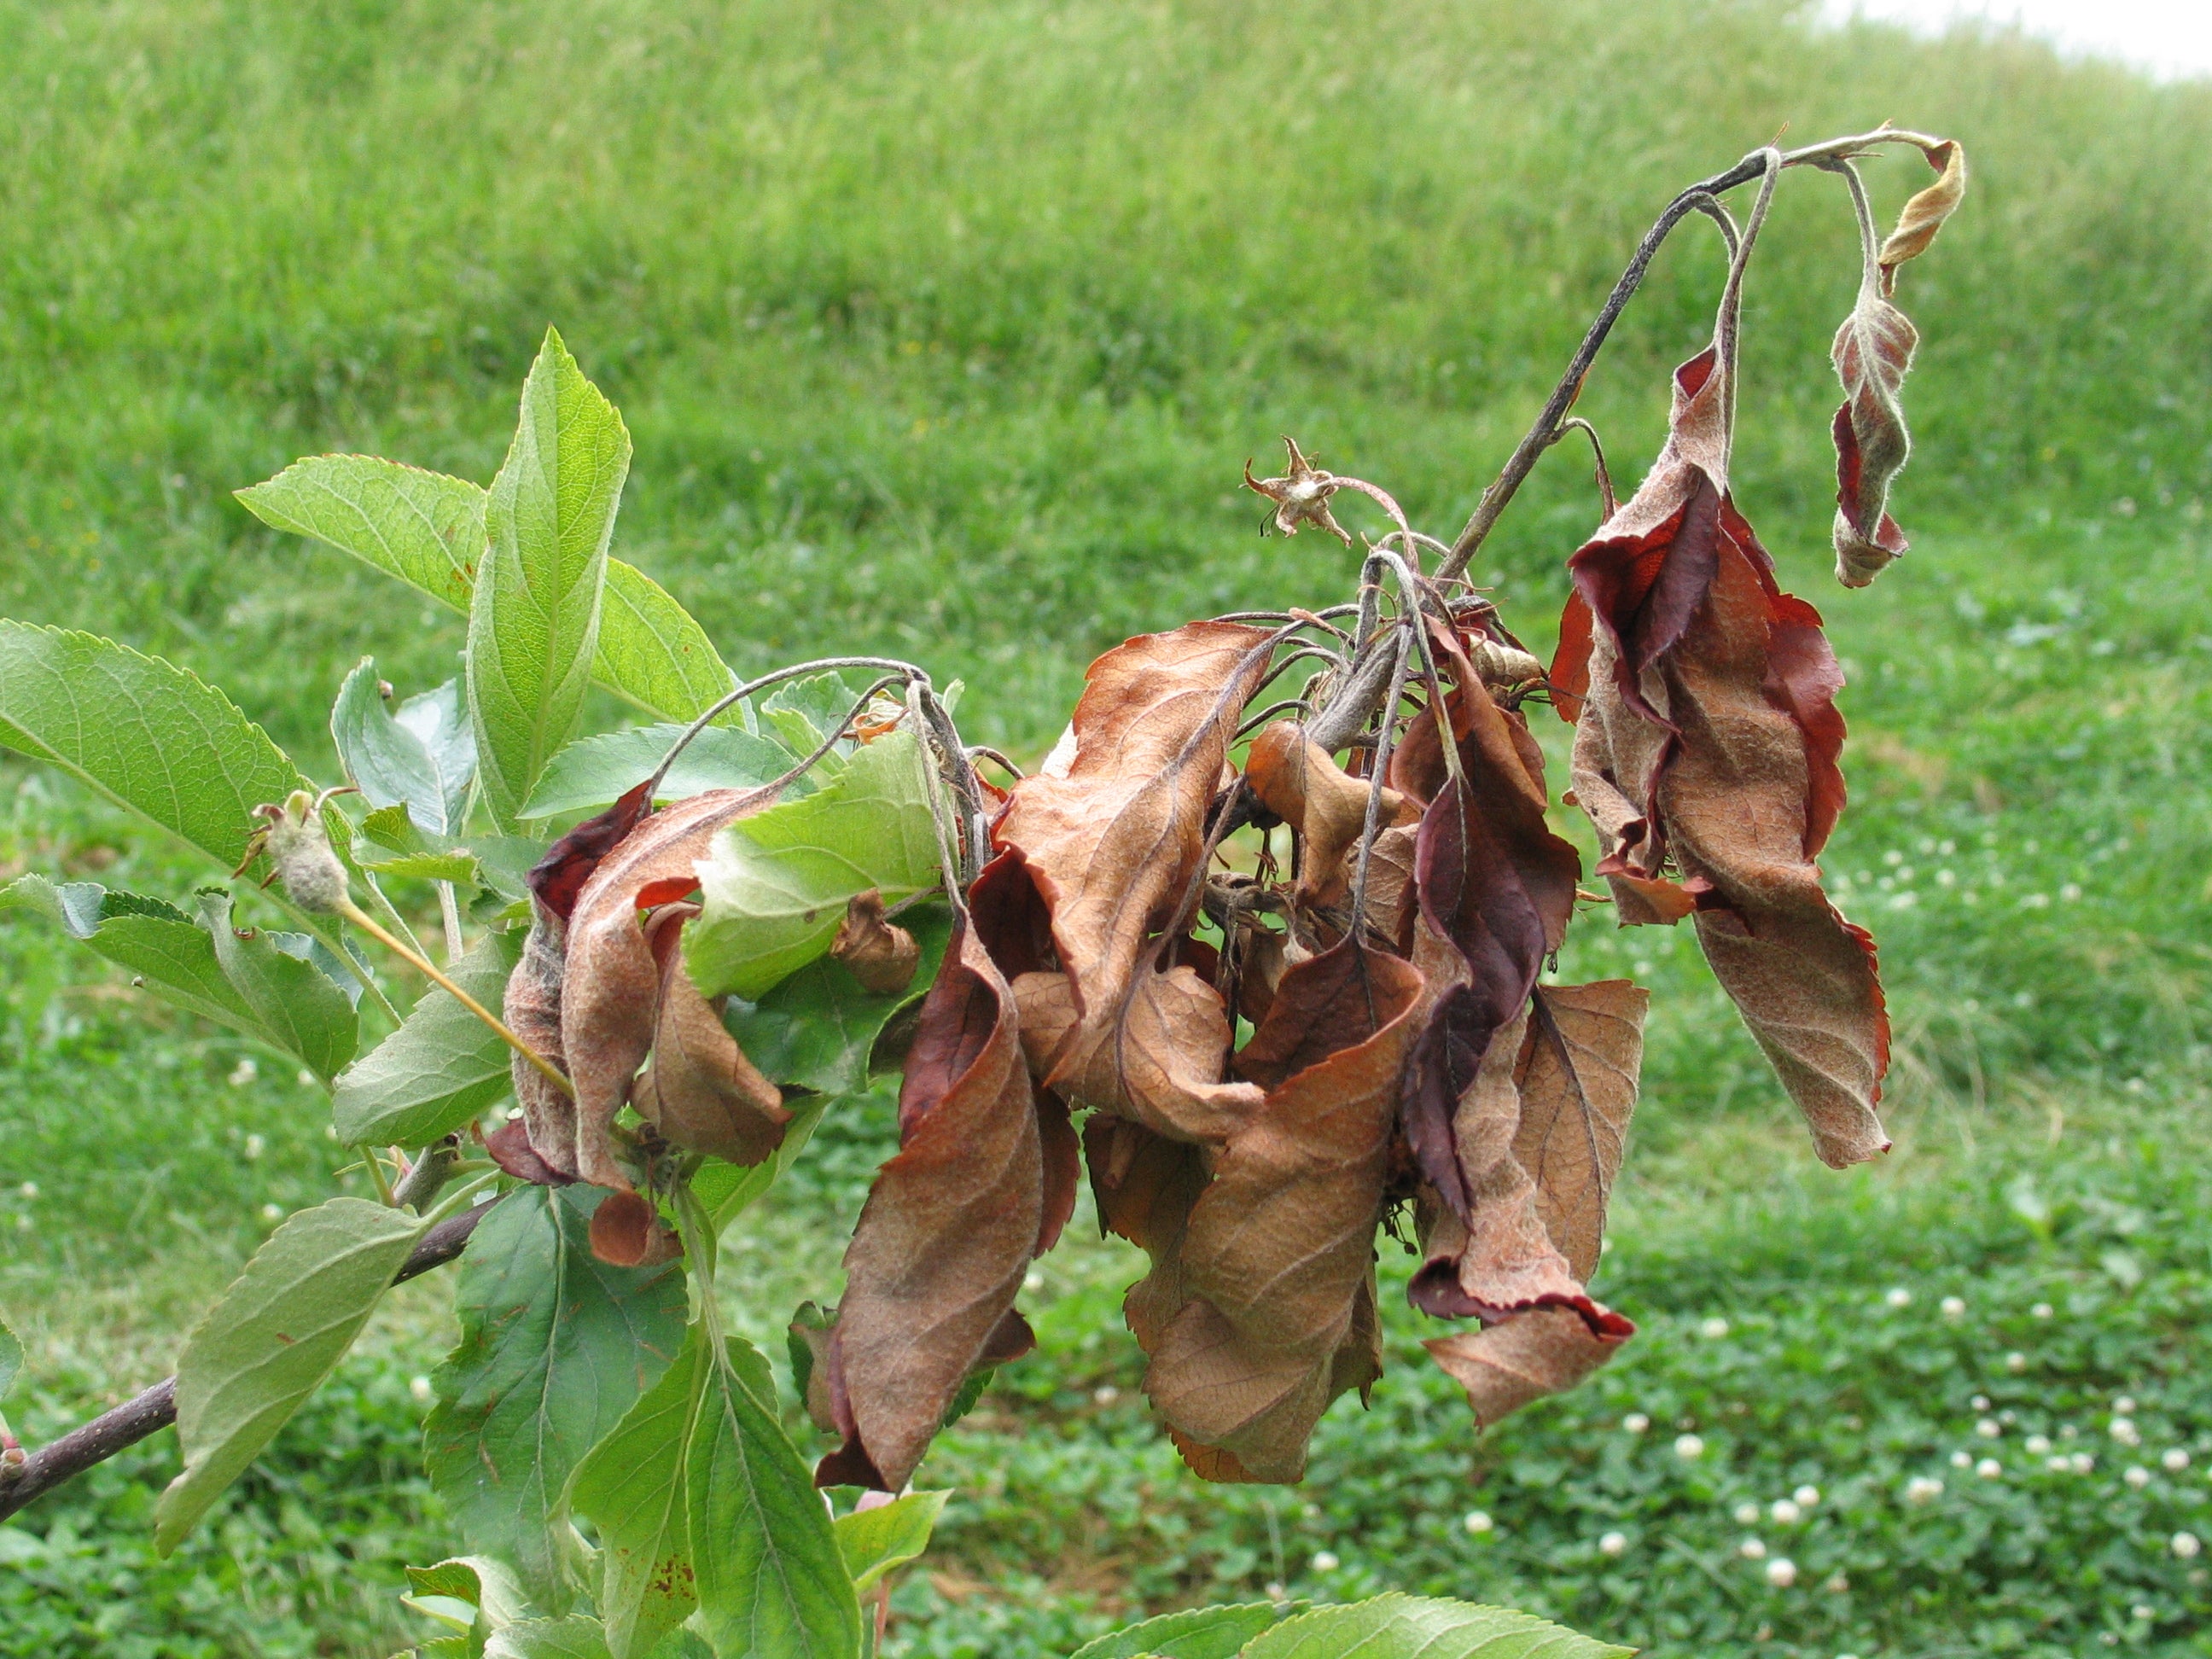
<point>880,954</point>
<point>309,871</point>
<point>1301,496</point>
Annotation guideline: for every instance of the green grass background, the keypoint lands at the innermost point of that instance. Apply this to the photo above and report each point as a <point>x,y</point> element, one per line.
<point>943,331</point>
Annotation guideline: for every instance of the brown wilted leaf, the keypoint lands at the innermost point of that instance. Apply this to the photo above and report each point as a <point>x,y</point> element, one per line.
<point>1302,784</point>
<point>508,1146</point>
<point>1280,1244</point>
<point>1112,841</point>
<point>1158,1065</point>
<point>627,1231</point>
<point>1924,214</point>
<point>1577,1076</point>
<point>1527,1356</point>
<point>610,984</point>
<point>1872,354</point>
<point>880,954</point>
<point>700,1092</point>
<point>949,1229</point>
<point>1145,1185</point>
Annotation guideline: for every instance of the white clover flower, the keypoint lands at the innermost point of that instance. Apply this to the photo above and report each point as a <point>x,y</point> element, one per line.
<point>1033,1281</point>
<point>2124,1406</point>
<point>2144,1611</point>
<point>1782,1572</point>
<point>1688,1447</point>
<point>2015,1362</point>
<point>1980,1402</point>
<point>1989,1469</point>
<point>1746,1515</point>
<point>1962,1460</point>
<point>1806,1497</point>
<point>272,1212</point>
<point>1922,1489</point>
<point>420,1388</point>
<point>1613,1543</point>
<point>306,1079</point>
<point>243,1073</point>
<point>1784,1513</point>
<point>2041,1310</point>
<point>1104,1394</point>
<point>1836,1585</point>
<point>1478,1523</point>
<point>2186,1546</point>
<point>1953,1308</point>
<point>1989,1428</point>
<point>2124,1431</point>
<point>2038,1445</point>
<point>2176,1460</point>
<point>1751,1550</point>
<point>28,1189</point>
<point>255,1145</point>
<point>2059,1465</point>
<point>2082,1462</point>
<point>1900,1297</point>
<point>1325,1561</point>
<point>1635,1422</point>
<point>2137,1476</point>
<point>1714,1329</point>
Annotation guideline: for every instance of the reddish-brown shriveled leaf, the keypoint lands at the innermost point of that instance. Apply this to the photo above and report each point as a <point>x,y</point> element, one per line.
<point>1498,886</point>
<point>700,1092</point>
<point>1570,663</point>
<point>532,1011</point>
<point>950,1227</point>
<point>1644,572</point>
<point>1524,1358</point>
<point>1745,795</point>
<point>1159,1064</point>
<point>1924,214</point>
<point>1111,835</point>
<point>558,878</point>
<point>1873,353</point>
<point>509,1147</point>
<point>611,983</point>
<point>880,954</point>
<point>1279,1247</point>
<point>627,1231</point>
<point>1145,1185</point>
<point>1577,1074</point>
<point>1302,784</point>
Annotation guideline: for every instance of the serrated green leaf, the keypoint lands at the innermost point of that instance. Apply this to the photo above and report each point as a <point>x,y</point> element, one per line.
<point>817,1030</point>
<point>700,1500</point>
<point>11,1358</point>
<point>1197,1634</point>
<point>775,884</point>
<point>438,1071</point>
<point>573,1637</point>
<point>803,712</point>
<point>727,1190</point>
<point>882,1539</point>
<point>147,735</point>
<point>555,1347</point>
<point>301,1008</point>
<point>392,843</point>
<point>423,528</point>
<point>534,618</point>
<point>421,757</point>
<point>270,1342</point>
<point>682,1644</point>
<point>593,772</point>
<point>474,1595</point>
<point>429,530</point>
<point>1422,1627</point>
<point>169,954</point>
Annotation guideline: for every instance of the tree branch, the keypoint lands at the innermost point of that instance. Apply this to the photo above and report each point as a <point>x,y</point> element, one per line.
<point>63,1459</point>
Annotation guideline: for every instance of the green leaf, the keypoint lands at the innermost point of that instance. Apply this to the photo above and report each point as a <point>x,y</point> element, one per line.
<point>727,1190</point>
<point>301,1008</point>
<point>775,884</point>
<point>271,1340</point>
<point>472,1593</point>
<point>803,712</point>
<point>700,1500</point>
<point>421,757</point>
<point>429,530</point>
<point>881,1539</point>
<point>534,619</point>
<point>145,734</point>
<point>11,1358</point>
<point>592,772</point>
<point>1198,1633</point>
<point>681,1645</point>
<point>399,847</point>
<point>573,1637</point>
<point>555,1347</point>
<point>423,528</point>
<point>817,1030</point>
<point>438,1071</point>
<point>169,954</point>
<point>1421,1627</point>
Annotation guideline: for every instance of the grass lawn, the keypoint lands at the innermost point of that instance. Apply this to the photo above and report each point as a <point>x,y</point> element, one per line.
<point>943,331</point>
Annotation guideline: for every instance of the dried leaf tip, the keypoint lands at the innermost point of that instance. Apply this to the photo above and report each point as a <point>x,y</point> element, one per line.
<point>1300,494</point>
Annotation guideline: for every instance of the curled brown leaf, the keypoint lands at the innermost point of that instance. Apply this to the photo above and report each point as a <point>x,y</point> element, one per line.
<point>879,953</point>
<point>700,1092</point>
<point>1506,1366</point>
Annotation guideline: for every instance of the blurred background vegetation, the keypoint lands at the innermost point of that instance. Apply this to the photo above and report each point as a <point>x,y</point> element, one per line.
<point>942,331</point>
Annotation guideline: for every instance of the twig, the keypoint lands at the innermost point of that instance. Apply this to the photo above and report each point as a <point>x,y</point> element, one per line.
<point>63,1459</point>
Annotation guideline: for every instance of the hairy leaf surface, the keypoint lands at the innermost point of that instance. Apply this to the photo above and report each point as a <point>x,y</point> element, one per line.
<point>421,756</point>
<point>1197,1634</point>
<point>301,1008</point>
<point>1421,1627</point>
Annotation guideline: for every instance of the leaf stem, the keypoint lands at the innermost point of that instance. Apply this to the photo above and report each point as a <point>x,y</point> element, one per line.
<point>368,924</point>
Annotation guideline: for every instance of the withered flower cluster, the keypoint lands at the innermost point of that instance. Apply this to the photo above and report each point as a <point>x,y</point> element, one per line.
<point>1275,979</point>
